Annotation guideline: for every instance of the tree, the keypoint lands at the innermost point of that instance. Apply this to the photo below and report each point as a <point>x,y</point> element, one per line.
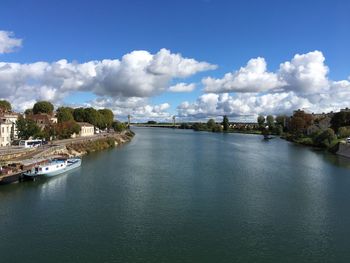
<point>261,122</point>
<point>119,126</point>
<point>211,124</point>
<point>216,128</point>
<point>340,119</point>
<point>297,125</point>
<point>65,114</point>
<point>344,132</point>
<point>199,126</point>
<point>281,120</point>
<point>28,112</point>
<point>27,128</point>
<point>93,117</point>
<point>5,106</point>
<point>79,114</point>
<point>185,126</point>
<point>65,130</point>
<point>325,138</point>
<point>43,107</point>
<point>270,121</point>
<point>226,123</point>
<point>107,117</point>
<point>299,122</point>
<point>278,129</point>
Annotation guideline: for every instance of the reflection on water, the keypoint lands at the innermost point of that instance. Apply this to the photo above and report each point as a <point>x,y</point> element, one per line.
<point>182,196</point>
<point>50,186</point>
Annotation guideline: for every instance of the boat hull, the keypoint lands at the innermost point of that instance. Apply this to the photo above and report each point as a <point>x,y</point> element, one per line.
<point>65,169</point>
<point>72,164</point>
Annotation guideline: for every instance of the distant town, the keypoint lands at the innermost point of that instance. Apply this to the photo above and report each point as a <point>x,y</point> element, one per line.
<point>45,123</point>
<point>323,130</point>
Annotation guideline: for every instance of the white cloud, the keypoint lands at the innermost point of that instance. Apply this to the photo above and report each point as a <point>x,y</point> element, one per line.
<point>168,64</point>
<point>306,73</point>
<point>254,77</point>
<point>299,83</point>
<point>139,108</point>
<point>137,74</point>
<point>8,43</point>
<point>182,87</point>
<point>244,104</point>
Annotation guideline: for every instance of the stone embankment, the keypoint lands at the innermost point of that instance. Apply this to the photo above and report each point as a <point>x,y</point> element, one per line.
<point>74,148</point>
<point>343,149</point>
<point>69,147</point>
<point>14,161</point>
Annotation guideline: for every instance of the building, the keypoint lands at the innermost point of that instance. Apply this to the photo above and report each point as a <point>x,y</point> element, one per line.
<point>244,125</point>
<point>42,119</point>
<point>11,117</point>
<point>6,132</point>
<point>345,110</point>
<point>86,129</point>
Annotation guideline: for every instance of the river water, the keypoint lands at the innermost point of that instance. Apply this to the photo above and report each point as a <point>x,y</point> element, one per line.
<point>184,196</point>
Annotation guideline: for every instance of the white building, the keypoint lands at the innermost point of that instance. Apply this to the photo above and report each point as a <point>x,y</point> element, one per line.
<point>6,128</point>
<point>11,118</point>
<point>86,129</point>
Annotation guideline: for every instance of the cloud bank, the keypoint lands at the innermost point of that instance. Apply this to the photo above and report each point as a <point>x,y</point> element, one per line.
<point>301,83</point>
<point>126,85</point>
<point>138,74</point>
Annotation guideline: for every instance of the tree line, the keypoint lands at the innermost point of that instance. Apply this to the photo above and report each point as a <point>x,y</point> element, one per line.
<point>67,120</point>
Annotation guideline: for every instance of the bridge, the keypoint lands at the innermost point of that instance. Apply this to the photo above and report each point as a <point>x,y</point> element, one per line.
<point>158,125</point>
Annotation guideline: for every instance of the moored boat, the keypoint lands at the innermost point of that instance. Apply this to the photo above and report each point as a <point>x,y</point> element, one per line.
<point>54,167</point>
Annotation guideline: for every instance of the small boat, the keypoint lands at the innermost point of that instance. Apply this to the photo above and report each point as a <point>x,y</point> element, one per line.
<point>54,167</point>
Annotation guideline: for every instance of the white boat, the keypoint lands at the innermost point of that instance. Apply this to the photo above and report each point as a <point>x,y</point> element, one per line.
<point>54,167</point>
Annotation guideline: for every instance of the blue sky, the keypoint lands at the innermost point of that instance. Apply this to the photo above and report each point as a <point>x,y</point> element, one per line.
<point>223,33</point>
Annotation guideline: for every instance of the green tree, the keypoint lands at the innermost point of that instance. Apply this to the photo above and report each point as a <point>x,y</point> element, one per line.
<point>270,121</point>
<point>28,112</point>
<point>107,118</point>
<point>65,114</point>
<point>278,129</point>
<point>199,126</point>
<point>226,123</point>
<point>119,126</point>
<point>27,128</point>
<point>43,107</point>
<point>93,117</point>
<point>79,114</point>
<point>185,126</point>
<point>281,120</point>
<point>261,121</point>
<point>216,128</point>
<point>65,130</point>
<point>5,106</point>
<point>325,138</point>
<point>340,119</point>
<point>211,124</point>
<point>344,132</point>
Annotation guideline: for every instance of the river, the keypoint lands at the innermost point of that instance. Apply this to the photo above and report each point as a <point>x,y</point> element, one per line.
<point>184,196</point>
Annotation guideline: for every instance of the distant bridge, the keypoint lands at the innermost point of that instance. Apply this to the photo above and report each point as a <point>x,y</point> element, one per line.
<point>158,125</point>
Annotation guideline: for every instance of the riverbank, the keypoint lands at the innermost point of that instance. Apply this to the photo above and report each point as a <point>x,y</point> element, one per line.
<point>12,169</point>
<point>77,149</point>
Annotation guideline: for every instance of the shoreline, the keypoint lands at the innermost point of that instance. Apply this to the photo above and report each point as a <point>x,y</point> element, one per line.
<point>339,149</point>
<point>71,148</point>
